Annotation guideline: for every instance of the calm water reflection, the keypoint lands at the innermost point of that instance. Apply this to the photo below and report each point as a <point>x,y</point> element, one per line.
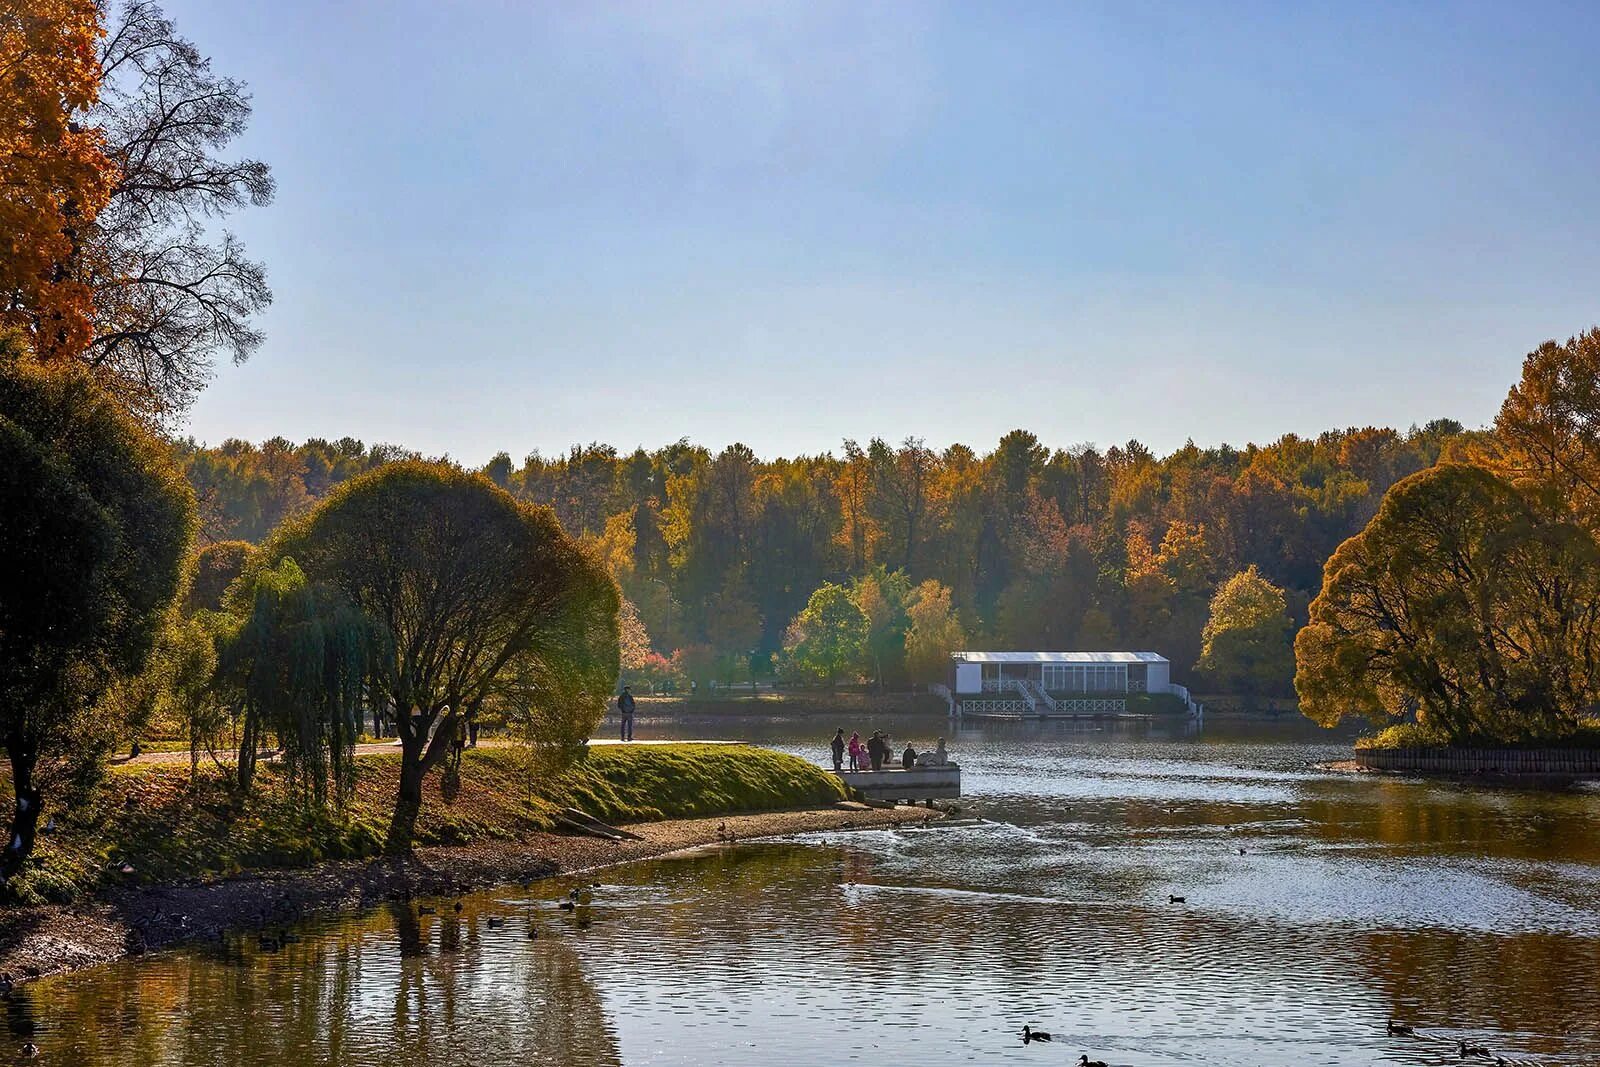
<point>1466,911</point>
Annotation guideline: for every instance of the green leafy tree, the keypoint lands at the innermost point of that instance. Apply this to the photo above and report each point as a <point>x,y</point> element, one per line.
<point>95,525</point>
<point>176,692</point>
<point>1245,644</point>
<point>191,697</point>
<point>1461,603</point>
<point>296,664</point>
<point>214,569</point>
<point>829,637</point>
<point>934,633</point>
<point>733,626</point>
<point>882,596</point>
<point>477,600</point>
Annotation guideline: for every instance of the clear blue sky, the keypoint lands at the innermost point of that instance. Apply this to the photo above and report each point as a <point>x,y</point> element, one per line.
<point>518,226</point>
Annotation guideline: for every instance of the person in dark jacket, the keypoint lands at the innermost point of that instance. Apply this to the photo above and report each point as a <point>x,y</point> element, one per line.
<point>625,709</point>
<point>908,758</point>
<point>838,750</point>
<point>878,751</point>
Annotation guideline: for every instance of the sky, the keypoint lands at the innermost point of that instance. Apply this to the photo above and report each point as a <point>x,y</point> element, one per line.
<point>517,226</point>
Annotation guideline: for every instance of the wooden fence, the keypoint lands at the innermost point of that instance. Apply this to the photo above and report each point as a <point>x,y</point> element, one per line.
<point>1482,760</point>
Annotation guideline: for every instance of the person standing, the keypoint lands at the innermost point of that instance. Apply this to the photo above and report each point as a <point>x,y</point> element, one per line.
<point>876,750</point>
<point>625,709</point>
<point>838,750</point>
<point>855,752</point>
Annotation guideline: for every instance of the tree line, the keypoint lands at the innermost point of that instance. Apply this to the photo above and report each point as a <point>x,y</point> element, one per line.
<point>722,556</point>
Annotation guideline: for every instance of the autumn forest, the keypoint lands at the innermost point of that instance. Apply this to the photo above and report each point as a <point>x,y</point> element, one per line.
<point>1027,546</point>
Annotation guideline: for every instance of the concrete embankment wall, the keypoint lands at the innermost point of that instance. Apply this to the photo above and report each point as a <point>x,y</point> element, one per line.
<point>1482,760</point>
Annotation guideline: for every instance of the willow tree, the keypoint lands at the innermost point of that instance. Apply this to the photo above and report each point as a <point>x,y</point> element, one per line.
<point>476,599</point>
<point>297,662</point>
<point>95,523</point>
<point>1463,603</point>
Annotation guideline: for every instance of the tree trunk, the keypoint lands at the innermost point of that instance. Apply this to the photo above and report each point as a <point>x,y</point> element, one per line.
<point>419,753</point>
<point>248,736</point>
<point>25,816</point>
<point>408,798</point>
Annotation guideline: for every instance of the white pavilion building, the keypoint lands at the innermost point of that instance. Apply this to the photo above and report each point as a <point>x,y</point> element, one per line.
<point>1045,684</point>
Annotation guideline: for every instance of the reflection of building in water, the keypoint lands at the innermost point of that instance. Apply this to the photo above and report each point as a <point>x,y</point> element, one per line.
<point>1060,684</point>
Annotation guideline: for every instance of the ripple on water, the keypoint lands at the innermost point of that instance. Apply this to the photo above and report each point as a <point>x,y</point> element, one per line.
<point>1470,914</point>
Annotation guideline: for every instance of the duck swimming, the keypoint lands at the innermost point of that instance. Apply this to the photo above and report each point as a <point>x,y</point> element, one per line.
<point>1400,1030</point>
<point>1176,900</point>
<point>1030,1034</point>
<point>1085,1061</point>
<point>1464,1050</point>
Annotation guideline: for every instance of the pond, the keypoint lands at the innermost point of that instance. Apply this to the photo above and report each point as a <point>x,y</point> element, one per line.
<point>1316,906</point>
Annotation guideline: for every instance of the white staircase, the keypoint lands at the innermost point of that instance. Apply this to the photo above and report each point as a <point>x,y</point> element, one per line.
<point>1037,699</point>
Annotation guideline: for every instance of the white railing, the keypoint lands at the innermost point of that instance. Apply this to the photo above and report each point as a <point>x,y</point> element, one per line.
<point>1091,705</point>
<point>995,707</point>
<point>1182,691</point>
<point>1035,695</point>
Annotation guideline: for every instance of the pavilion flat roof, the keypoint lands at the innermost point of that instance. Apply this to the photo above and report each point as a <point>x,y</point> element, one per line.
<point>1058,657</point>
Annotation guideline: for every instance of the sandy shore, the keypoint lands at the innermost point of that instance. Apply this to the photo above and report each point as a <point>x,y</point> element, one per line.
<point>39,941</point>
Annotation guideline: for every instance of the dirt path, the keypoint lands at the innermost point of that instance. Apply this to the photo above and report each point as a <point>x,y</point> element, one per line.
<point>40,941</point>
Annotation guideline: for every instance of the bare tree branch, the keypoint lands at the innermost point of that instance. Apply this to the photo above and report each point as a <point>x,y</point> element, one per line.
<point>170,295</point>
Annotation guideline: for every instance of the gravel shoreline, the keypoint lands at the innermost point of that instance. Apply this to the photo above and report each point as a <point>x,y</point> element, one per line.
<point>35,942</point>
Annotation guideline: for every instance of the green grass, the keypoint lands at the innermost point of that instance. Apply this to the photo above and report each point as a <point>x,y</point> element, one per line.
<point>1156,704</point>
<point>683,781</point>
<point>1420,735</point>
<point>153,818</point>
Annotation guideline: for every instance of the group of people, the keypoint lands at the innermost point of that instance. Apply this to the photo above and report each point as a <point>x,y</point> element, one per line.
<point>875,753</point>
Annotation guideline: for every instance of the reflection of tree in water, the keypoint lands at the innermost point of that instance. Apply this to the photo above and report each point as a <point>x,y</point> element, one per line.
<point>20,1023</point>
<point>1508,823</point>
<point>1544,986</point>
<point>384,989</point>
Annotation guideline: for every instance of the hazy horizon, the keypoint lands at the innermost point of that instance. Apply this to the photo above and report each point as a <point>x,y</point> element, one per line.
<point>523,227</point>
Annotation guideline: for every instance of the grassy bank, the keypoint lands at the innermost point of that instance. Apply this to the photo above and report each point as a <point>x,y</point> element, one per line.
<point>151,823</point>
<point>1419,735</point>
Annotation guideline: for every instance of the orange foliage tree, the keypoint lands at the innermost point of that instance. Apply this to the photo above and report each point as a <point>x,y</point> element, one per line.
<point>54,175</point>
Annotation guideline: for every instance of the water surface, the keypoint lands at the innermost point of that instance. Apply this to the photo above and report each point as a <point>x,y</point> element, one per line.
<point>1469,912</point>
